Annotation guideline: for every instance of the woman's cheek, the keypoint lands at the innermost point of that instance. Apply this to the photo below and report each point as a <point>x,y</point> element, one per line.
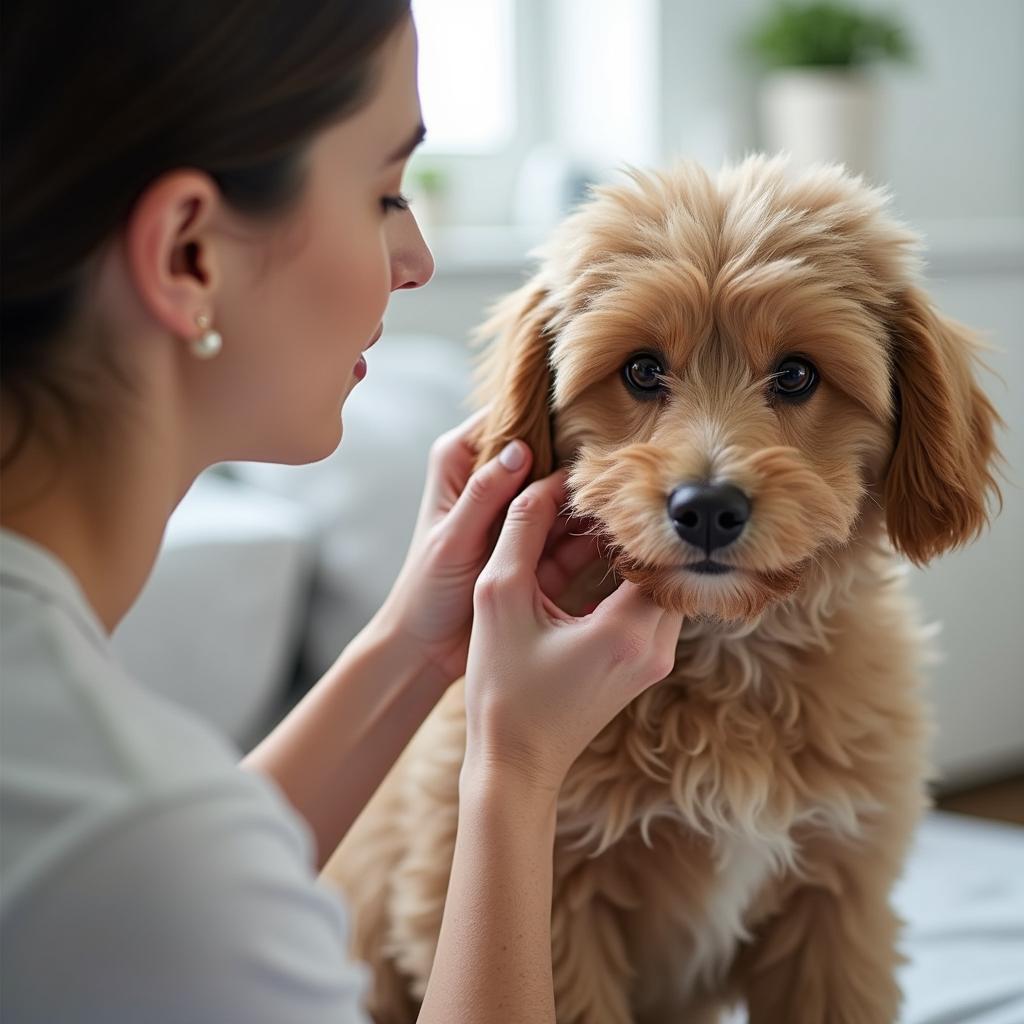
<point>367,277</point>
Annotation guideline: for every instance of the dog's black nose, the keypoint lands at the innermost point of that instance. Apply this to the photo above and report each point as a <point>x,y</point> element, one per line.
<point>708,516</point>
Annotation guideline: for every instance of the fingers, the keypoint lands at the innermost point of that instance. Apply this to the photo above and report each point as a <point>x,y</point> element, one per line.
<point>485,495</point>
<point>525,530</point>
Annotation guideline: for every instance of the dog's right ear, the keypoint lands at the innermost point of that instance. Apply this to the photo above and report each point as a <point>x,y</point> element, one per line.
<point>514,377</point>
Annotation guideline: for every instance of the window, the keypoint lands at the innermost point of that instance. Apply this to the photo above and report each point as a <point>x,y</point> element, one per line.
<point>525,99</point>
<point>466,80</point>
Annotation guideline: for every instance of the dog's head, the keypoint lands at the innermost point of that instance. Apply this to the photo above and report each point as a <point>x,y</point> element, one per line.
<point>740,373</point>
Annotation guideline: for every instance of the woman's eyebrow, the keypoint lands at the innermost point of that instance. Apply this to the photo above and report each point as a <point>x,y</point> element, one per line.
<point>407,147</point>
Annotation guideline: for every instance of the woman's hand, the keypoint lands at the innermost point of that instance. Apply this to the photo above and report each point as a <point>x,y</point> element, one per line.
<point>430,608</point>
<point>541,684</point>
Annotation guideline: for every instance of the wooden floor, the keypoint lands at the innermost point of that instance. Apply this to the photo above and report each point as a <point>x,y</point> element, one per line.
<point>999,801</point>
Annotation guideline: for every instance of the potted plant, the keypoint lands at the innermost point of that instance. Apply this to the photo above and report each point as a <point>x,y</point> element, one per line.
<point>819,99</point>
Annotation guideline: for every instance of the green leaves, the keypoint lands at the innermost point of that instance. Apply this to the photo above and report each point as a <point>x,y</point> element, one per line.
<point>825,34</point>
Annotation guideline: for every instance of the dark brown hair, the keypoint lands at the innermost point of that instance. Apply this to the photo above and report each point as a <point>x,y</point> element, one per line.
<point>101,99</point>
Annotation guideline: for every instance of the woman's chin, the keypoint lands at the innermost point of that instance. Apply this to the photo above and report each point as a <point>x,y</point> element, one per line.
<point>312,450</point>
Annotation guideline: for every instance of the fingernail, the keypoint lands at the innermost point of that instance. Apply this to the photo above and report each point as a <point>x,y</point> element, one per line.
<point>512,456</point>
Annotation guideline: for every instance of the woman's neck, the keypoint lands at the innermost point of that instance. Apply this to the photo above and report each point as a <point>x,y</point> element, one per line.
<point>103,517</point>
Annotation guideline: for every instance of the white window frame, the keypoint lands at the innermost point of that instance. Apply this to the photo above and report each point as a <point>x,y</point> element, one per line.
<point>555,61</point>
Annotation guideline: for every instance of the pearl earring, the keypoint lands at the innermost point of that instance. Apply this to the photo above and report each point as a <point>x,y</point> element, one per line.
<point>209,343</point>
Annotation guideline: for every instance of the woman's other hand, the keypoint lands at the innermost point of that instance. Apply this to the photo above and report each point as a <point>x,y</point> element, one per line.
<point>430,608</point>
<point>541,684</point>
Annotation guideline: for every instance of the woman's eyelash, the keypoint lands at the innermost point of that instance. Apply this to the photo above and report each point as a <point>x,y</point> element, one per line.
<point>397,202</point>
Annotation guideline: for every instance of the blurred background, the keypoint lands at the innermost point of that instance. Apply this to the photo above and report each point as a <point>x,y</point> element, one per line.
<point>927,98</point>
<point>267,571</point>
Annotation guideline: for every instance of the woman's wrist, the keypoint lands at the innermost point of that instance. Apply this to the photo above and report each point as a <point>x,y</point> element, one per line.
<point>501,801</point>
<point>489,777</point>
<point>383,641</point>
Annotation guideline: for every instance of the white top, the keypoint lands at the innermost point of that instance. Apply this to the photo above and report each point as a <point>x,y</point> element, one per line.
<point>144,876</point>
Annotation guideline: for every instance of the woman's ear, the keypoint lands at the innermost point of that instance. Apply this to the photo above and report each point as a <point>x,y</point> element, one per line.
<point>514,378</point>
<point>941,474</point>
<point>171,264</point>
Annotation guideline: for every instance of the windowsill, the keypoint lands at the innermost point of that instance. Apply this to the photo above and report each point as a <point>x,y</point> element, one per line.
<point>974,246</point>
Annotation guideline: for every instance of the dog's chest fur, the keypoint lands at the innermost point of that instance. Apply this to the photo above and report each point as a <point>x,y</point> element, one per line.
<point>689,821</point>
<point>687,811</point>
<point>688,892</point>
<point>741,868</point>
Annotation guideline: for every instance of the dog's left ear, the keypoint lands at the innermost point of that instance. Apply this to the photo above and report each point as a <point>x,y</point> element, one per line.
<point>514,378</point>
<point>940,477</point>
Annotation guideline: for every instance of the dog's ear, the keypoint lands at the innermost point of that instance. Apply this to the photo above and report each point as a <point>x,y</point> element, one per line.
<point>514,377</point>
<point>940,476</point>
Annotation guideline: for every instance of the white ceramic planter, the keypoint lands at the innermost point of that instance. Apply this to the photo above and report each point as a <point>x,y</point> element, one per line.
<point>823,115</point>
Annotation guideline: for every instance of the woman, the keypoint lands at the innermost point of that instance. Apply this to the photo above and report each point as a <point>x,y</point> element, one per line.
<point>202,225</point>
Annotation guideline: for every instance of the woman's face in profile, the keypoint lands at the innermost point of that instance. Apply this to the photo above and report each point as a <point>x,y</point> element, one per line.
<point>300,310</point>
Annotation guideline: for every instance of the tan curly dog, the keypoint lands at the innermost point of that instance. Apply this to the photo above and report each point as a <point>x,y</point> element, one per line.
<point>761,410</point>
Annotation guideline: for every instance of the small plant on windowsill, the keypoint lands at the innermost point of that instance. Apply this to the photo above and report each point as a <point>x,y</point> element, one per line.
<point>428,190</point>
<point>819,97</point>
<point>827,35</point>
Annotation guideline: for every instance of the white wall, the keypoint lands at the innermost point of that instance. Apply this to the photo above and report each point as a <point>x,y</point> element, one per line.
<point>953,130</point>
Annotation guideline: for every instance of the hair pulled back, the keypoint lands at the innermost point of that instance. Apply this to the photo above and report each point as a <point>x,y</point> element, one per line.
<point>100,99</point>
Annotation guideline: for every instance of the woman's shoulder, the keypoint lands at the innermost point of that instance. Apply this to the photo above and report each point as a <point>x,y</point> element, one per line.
<point>68,702</point>
<point>86,750</point>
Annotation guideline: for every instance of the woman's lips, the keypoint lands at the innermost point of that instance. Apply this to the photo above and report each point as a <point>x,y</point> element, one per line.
<point>359,370</point>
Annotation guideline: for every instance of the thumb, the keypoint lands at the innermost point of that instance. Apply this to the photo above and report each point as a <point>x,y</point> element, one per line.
<point>486,493</point>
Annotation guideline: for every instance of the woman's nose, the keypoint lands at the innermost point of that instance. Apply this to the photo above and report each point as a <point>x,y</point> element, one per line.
<point>412,264</point>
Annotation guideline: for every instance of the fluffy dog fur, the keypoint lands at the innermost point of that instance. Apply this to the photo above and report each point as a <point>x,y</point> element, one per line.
<point>733,835</point>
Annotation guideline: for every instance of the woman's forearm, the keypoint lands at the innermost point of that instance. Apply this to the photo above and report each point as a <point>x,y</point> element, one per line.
<point>333,750</point>
<point>493,960</point>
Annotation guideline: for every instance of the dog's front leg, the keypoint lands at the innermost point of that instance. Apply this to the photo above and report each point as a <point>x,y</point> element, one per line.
<point>829,955</point>
<point>590,962</point>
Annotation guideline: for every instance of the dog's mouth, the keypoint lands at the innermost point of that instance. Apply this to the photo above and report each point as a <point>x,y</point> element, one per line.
<point>707,588</point>
<point>625,564</point>
<point>709,567</point>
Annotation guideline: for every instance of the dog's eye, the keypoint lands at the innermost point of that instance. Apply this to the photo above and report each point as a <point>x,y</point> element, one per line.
<point>642,375</point>
<point>795,377</point>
